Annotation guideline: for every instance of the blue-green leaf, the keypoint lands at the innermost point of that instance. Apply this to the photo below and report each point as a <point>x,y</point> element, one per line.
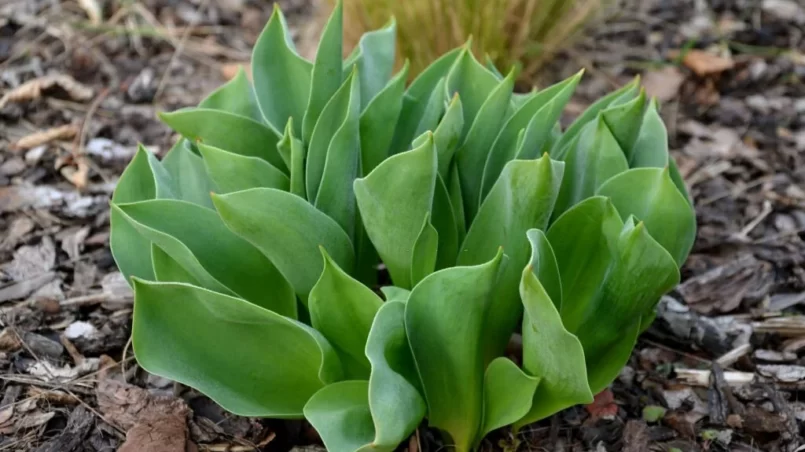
<point>342,309</point>
<point>444,320</point>
<point>288,231</point>
<point>282,78</point>
<point>393,200</point>
<point>255,362</point>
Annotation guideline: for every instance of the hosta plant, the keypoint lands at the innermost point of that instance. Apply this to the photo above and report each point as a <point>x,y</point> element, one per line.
<point>255,245</point>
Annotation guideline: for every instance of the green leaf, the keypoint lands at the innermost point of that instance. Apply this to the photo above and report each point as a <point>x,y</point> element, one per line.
<point>628,91</point>
<point>540,112</point>
<point>335,196</point>
<point>583,239</point>
<point>393,199</point>
<point>189,179</point>
<point>604,368</point>
<point>591,160</point>
<point>375,61</point>
<point>444,220</point>
<point>282,78</point>
<point>473,82</point>
<point>471,156</point>
<point>640,273</point>
<point>218,259</point>
<point>230,132</point>
<point>612,275</point>
<point>288,231</point>
<point>293,153</point>
<point>522,199</point>
<point>650,195</point>
<point>327,74</point>
<point>454,191</point>
<point>423,258</point>
<point>447,135</point>
<point>168,269</point>
<point>544,266</point>
<point>433,112</point>
<point>624,122</point>
<point>340,414</point>
<point>651,147</point>
<point>394,293</point>
<point>333,118</point>
<point>444,320</point>
<point>132,252</point>
<point>235,96</point>
<point>342,309</point>
<point>394,399</point>
<point>383,110</point>
<point>233,172</point>
<point>416,99</point>
<point>508,395</point>
<point>278,365</point>
<point>550,353</point>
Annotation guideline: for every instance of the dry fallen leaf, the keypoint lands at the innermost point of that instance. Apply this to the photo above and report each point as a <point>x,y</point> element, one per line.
<point>705,63</point>
<point>663,84</point>
<point>33,89</point>
<point>66,132</point>
<point>230,70</point>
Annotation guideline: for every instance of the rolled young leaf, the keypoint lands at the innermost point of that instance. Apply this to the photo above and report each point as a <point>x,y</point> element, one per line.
<point>444,320</point>
<point>289,231</point>
<point>342,309</point>
<point>278,363</point>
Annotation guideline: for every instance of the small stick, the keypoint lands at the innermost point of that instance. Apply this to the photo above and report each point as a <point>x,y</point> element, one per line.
<point>697,377</point>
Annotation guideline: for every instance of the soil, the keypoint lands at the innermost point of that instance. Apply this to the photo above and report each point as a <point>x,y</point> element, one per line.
<point>722,368</point>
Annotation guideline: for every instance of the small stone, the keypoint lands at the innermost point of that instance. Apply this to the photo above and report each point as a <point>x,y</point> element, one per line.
<point>12,166</point>
<point>144,87</point>
<point>35,154</point>
<point>42,346</point>
<point>80,329</point>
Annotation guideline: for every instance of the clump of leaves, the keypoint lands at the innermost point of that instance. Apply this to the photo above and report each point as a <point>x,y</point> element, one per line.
<point>524,33</point>
<point>254,253</point>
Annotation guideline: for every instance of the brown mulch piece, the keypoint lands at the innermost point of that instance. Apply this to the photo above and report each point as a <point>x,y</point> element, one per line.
<point>723,365</point>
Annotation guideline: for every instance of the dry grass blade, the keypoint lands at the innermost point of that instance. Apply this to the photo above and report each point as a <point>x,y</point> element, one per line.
<point>33,89</point>
<point>513,33</point>
<point>66,132</point>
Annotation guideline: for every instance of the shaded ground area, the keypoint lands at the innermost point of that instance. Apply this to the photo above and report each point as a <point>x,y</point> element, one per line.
<point>721,369</point>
